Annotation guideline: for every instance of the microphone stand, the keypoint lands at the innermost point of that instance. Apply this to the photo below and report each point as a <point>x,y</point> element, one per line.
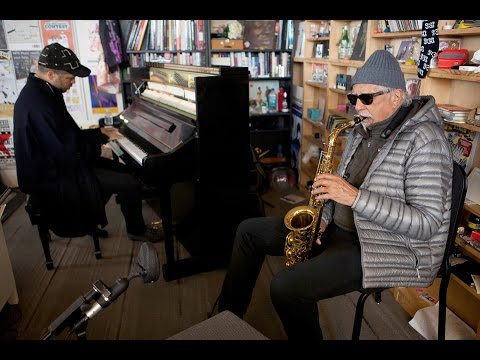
<point>74,313</point>
<point>76,316</point>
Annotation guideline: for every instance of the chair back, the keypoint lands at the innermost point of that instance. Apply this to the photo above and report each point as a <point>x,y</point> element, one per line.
<point>459,190</point>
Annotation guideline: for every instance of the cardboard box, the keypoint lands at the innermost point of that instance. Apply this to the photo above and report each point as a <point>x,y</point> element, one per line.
<point>227,44</point>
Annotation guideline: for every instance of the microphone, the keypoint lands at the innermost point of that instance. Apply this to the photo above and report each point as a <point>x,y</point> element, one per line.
<point>149,270</point>
<point>148,263</point>
<point>101,296</point>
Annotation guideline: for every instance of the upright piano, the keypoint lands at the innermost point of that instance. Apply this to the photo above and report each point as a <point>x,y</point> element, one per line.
<point>190,123</point>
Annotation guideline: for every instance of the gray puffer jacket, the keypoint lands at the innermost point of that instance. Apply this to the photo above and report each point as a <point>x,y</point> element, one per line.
<point>402,213</point>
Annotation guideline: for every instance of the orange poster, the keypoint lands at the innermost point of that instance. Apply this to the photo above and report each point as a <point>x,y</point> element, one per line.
<point>59,31</point>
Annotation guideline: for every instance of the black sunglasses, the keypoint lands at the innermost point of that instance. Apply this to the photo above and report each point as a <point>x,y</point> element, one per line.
<point>366,99</point>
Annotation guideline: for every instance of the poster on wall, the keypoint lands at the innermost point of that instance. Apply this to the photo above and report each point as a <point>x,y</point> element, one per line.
<point>61,31</point>
<point>8,88</point>
<point>22,35</point>
<point>25,62</point>
<point>7,155</point>
<point>3,40</point>
<point>57,31</point>
<point>103,91</point>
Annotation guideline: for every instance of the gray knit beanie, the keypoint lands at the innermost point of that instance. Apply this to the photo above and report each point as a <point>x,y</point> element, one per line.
<point>382,69</point>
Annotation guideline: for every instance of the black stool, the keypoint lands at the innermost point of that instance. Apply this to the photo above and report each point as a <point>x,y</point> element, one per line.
<point>44,232</point>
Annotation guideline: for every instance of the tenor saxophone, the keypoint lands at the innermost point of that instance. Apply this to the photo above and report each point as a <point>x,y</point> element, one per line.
<point>304,220</point>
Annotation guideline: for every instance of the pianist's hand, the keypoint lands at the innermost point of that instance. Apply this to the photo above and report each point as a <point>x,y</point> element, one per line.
<point>112,133</point>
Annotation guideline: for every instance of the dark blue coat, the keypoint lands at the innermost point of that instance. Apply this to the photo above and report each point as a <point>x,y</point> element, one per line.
<point>55,158</point>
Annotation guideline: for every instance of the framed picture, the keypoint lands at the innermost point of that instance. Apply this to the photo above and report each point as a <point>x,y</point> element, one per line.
<point>413,87</point>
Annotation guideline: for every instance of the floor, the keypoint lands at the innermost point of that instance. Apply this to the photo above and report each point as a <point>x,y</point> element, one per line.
<point>154,311</point>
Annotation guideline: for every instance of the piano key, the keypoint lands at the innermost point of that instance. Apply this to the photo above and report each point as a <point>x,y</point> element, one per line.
<point>133,150</point>
<point>115,148</point>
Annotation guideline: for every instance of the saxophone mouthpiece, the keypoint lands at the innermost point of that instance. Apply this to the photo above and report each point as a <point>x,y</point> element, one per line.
<point>358,118</point>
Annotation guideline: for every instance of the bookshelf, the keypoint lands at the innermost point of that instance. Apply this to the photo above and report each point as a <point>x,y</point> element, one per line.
<point>167,41</point>
<point>448,86</point>
<point>263,46</point>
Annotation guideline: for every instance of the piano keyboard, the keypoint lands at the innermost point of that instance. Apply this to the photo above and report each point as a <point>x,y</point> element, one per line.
<point>133,150</point>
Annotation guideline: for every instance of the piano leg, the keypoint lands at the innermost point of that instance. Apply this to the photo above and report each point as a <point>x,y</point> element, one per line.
<point>166,211</point>
<point>175,269</point>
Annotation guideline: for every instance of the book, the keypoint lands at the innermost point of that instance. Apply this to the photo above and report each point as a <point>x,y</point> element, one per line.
<point>462,141</point>
<point>358,52</point>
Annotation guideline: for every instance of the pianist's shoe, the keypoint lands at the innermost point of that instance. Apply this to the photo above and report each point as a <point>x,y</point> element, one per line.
<point>153,235</point>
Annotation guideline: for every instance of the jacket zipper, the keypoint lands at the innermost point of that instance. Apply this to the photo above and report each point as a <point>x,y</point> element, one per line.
<point>416,260</point>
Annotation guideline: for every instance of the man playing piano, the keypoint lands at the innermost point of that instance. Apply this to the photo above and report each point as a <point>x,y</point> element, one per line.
<point>60,165</point>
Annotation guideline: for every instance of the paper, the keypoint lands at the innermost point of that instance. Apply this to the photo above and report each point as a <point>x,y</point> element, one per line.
<point>425,322</point>
<point>473,190</point>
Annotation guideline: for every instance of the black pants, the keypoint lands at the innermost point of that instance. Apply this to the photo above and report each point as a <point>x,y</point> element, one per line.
<point>115,179</point>
<point>335,269</point>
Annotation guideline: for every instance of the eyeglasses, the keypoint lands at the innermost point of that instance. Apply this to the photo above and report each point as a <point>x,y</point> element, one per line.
<point>366,99</point>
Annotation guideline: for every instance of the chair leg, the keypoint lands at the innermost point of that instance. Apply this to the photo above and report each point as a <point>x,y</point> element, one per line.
<point>442,306</point>
<point>357,324</point>
<point>45,238</point>
<point>96,243</point>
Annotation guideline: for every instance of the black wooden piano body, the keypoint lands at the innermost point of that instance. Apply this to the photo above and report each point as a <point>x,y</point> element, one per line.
<point>190,123</point>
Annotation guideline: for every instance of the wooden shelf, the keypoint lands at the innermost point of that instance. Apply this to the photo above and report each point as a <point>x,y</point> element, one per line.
<point>346,63</point>
<point>322,38</point>
<point>340,113</point>
<point>316,84</point>
<point>469,289</point>
<point>454,74</point>
<point>408,69</point>
<point>316,60</point>
<point>467,249</point>
<point>338,91</point>
<point>417,33</point>
<point>463,125</point>
<point>473,208</point>
<point>318,124</point>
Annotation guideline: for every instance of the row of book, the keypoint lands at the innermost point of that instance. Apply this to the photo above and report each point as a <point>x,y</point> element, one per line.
<point>262,64</point>
<point>166,35</point>
<point>398,25</point>
<point>454,113</point>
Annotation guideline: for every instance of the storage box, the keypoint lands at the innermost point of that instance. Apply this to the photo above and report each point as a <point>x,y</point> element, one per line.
<point>450,58</point>
<point>227,44</point>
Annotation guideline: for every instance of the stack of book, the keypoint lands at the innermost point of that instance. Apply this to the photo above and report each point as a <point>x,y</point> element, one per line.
<point>454,113</point>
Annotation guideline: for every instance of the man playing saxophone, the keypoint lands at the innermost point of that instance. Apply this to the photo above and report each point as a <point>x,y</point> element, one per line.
<point>386,214</point>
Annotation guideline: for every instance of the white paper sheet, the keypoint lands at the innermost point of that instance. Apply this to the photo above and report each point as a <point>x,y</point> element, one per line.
<point>425,322</point>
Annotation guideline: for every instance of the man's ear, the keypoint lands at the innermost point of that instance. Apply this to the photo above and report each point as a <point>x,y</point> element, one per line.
<point>50,74</point>
<point>397,96</point>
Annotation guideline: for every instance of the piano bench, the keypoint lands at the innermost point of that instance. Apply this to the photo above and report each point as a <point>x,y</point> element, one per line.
<point>44,232</point>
